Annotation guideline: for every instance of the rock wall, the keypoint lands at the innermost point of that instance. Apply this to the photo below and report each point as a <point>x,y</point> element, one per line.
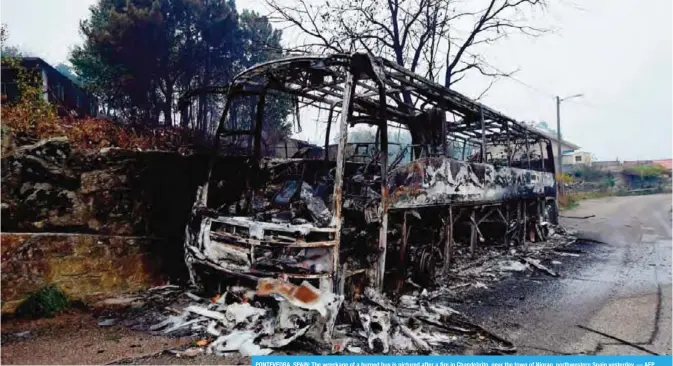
<point>82,219</point>
<point>85,267</point>
<point>47,187</point>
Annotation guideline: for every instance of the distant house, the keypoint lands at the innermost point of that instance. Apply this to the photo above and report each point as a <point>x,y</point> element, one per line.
<point>637,162</point>
<point>567,147</point>
<point>614,166</point>
<point>577,158</point>
<point>666,163</point>
<point>69,97</point>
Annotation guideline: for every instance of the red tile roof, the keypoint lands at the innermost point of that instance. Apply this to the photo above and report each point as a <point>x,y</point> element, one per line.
<point>666,163</point>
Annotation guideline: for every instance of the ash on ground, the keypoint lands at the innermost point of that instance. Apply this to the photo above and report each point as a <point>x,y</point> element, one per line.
<point>283,318</point>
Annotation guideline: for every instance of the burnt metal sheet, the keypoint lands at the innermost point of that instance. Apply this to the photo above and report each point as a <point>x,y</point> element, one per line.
<point>229,244</point>
<point>442,181</point>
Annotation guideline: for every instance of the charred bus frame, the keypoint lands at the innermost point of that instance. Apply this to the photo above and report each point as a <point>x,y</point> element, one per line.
<point>506,182</point>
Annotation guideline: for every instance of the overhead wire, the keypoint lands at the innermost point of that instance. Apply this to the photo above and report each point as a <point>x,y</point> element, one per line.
<point>551,95</point>
<point>506,74</point>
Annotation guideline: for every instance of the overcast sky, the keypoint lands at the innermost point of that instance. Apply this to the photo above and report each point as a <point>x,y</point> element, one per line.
<point>618,53</point>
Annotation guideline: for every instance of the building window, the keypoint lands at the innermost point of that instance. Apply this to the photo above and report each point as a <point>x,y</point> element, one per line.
<point>578,159</point>
<point>10,91</point>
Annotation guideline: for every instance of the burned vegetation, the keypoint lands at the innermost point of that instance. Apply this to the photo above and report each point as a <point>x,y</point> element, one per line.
<point>359,222</point>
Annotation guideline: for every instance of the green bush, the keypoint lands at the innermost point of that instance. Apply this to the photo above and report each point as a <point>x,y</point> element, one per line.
<point>646,171</point>
<point>46,302</point>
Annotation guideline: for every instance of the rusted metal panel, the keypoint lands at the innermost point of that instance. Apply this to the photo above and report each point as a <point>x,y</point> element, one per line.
<point>441,181</point>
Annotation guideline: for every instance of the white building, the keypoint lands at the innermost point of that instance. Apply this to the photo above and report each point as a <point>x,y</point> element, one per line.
<point>567,147</point>
<point>577,158</point>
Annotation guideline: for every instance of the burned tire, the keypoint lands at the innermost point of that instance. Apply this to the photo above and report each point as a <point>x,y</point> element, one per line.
<point>425,265</point>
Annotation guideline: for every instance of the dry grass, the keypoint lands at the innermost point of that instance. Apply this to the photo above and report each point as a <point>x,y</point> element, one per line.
<point>571,200</point>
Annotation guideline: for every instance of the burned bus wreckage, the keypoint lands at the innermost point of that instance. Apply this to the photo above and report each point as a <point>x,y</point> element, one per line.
<point>339,225</point>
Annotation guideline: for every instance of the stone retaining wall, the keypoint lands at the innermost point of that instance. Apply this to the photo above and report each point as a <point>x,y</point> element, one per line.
<point>85,267</point>
<point>47,187</point>
<point>93,223</point>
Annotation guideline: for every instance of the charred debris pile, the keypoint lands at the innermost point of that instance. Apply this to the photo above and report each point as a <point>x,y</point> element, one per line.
<point>275,216</point>
<point>293,191</point>
<point>279,317</point>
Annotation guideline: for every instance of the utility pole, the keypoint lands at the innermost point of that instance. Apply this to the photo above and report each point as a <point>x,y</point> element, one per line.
<point>560,142</point>
<point>559,155</point>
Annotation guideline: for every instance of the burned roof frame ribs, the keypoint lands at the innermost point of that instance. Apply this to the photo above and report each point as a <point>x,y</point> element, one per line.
<point>293,76</point>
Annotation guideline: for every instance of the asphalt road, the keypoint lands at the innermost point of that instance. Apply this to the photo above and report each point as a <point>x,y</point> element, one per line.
<point>621,288</point>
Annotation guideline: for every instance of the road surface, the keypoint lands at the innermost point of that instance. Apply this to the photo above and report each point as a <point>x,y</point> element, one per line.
<point>621,288</point>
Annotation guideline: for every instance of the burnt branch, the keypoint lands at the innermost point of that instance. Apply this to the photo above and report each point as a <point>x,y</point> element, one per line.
<point>413,17</point>
<point>299,18</point>
<point>490,85</point>
<point>492,19</point>
<point>413,33</point>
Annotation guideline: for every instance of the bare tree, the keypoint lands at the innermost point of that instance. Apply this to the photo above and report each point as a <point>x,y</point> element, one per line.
<point>428,37</point>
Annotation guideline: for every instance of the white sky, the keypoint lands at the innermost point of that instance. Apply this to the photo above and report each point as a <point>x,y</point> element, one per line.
<point>618,53</point>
